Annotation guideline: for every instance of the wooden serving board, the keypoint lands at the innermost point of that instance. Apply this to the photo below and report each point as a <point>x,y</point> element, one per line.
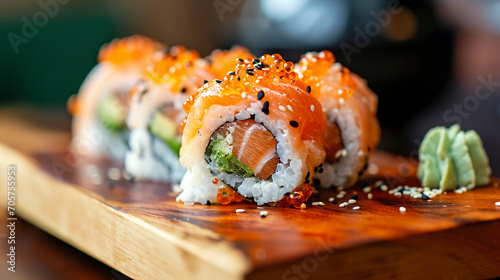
<point>140,230</point>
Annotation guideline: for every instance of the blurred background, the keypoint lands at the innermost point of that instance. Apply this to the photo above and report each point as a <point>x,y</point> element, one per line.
<point>430,62</point>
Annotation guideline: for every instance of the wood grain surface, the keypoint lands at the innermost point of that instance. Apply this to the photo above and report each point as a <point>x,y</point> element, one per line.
<point>139,229</point>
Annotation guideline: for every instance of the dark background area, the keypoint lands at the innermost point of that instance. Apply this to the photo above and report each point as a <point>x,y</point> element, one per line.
<point>422,58</point>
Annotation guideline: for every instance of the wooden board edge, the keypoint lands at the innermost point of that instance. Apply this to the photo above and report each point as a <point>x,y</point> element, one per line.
<point>139,250</point>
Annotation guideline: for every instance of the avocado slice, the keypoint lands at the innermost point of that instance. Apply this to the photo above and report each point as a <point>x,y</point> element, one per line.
<point>220,153</point>
<point>112,113</point>
<point>166,129</point>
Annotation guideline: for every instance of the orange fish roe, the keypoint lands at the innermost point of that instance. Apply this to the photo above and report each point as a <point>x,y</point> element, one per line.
<point>129,49</point>
<point>298,196</point>
<point>174,66</point>
<point>315,65</point>
<point>271,70</point>
<point>223,61</point>
<point>227,195</point>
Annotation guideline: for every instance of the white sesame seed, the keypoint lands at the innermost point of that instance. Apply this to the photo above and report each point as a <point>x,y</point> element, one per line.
<point>352,201</point>
<point>356,208</point>
<point>331,199</point>
<point>367,189</point>
<point>405,192</point>
<point>402,209</point>
<point>340,189</point>
<point>417,195</point>
<point>263,214</point>
<point>318,203</point>
<point>176,188</point>
<point>379,183</point>
<point>260,208</point>
<point>114,173</point>
<point>398,194</point>
<point>240,210</point>
<point>344,204</point>
<point>497,203</point>
<point>321,203</point>
<point>289,108</point>
<point>370,196</point>
<point>340,195</point>
<point>337,65</point>
<point>341,101</point>
<point>312,108</point>
<point>384,188</point>
<point>282,108</point>
<point>458,191</point>
<point>244,95</point>
<point>361,153</point>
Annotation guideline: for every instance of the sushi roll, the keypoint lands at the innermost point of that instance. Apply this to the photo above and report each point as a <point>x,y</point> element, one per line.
<point>100,108</point>
<point>253,135</point>
<point>156,109</point>
<point>353,129</point>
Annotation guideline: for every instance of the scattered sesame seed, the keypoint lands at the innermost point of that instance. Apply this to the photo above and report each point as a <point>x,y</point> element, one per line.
<point>303,206</point>
<point>244,95</point>
<point>282,108</point>
<point>344,204</point>
<point>341,101</point>
<point>402,209</point>
<point>183,90</point>
<point>312,108</point>
<point>318,203</point>
<point>232,73</point>
<point>367,189</point>
<point>265,108</point>
<point>370,196</point>
<point>255,61</point>
<point>218,81</point>
<point>339,196</point>
<point>240,210</point>
<point>309,89</point>
<point>424,196</point>
<point>240,60</point>
<point>250,71</point>
<point>356,208</point>
<point>289,108</point>
<point>355,196</point>
<point>263,214</point>
<point>497,203</point>
<point>294,123</point>
<point>111,184</point>
<point>205,81</point>
<point>384,187</point>
<point>260,95</point>
<point>176,188</point>
<point>352,201</point>
<point>114,173</point>
<point>209,203</point>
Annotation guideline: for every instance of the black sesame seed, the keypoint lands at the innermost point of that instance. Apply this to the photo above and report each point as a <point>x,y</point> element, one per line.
<point>316,169</point>
<point>316,181</point>
<point>287,194</point>
<point>294,123</point>
<point>263,215</point>
<point>342,71</point>
<point>111,184</point>
<point>183,90</point>
<point>205,81</point>
<point>425,197</point>
<point>320,170</point>
<point>260,95</point>
<point>265,108</point>
<point>258,66</point>
<point>240,60</point>
<point>232,73</point>
<point>369,148</point>
<point>354,197</point>
<point>307,181</point>
<point>250,72</point>
<point>334,201</point>
<point>209,203</point>
<point>307,175</point>
<point>255,61</point>
<point>309,89</point>
<point>238,77</point>
<point>218,81</point>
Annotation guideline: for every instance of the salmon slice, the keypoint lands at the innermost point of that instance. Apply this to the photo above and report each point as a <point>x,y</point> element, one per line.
<point>333,141</point>
<point>253,145</point>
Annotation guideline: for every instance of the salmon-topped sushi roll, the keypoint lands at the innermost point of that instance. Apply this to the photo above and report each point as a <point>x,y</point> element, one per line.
<point>353,129</point>
<point>156,109</point>
<point>101,106</point>
<point>255,134</point>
